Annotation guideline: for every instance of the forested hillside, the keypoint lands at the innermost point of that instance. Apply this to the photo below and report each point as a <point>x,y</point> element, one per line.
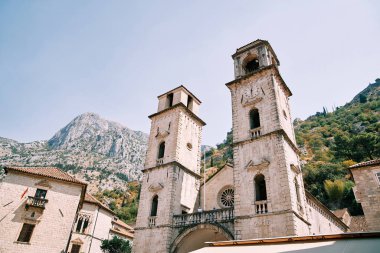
<point>332,141</point>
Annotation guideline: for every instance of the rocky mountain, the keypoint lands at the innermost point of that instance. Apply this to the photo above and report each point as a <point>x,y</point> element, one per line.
<point>99,151</point>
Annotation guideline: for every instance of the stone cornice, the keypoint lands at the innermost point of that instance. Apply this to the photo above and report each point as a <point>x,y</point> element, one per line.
<point>279,131</point>
<point>261,70</point>
<point>179,87</point>
<point>179,105</point>
<point>274,213</point>
<point>188,171</point>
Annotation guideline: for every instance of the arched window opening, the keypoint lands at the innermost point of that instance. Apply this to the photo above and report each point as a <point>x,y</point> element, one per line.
<point>254,118</point>
<point>251,66</point>
<point>297,190</point>
<point>153,210</point>
<point>85,225</point>
<point>161,150</point>
<point>169,100</point>
<point>79,224</point>
<point>260,188</point>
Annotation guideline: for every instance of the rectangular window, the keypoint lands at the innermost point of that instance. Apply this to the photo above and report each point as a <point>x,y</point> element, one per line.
<point>26,232</point>
<point>40,194</point>
<point>75,248</point>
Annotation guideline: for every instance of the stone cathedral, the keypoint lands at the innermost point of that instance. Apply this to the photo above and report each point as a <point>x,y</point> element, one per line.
<point>260,195</point>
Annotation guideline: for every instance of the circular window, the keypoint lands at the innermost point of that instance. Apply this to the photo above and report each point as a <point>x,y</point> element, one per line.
<point>189,146</point>
<point>227,198</point>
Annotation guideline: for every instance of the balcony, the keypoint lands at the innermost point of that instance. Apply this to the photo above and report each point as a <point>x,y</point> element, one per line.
<point>261,207</point>
<point>255,132</point>
<point>152,221</point>
<point>160,161</point>
<point>213,216</point>
<point>36,202</point>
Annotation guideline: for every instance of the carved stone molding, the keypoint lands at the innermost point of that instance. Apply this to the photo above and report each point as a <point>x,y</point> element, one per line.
<point>77,241</point>
<point>249,101</point>
<point>155,187</point>
<point>32,216</point>
<point>162,134</point>
<point>259,166</point>
<point>295,168</point>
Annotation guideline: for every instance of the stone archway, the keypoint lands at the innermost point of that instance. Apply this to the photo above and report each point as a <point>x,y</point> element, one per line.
<point>195,237</point>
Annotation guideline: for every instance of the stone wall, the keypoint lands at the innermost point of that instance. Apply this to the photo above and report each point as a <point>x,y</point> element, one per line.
<point>367,192</point>
<point>53,224</point>
<point>214,186</point>
<point>97,230</point>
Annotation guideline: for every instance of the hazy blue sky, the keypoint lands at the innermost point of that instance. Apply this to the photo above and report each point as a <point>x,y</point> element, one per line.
<point>59,59</point>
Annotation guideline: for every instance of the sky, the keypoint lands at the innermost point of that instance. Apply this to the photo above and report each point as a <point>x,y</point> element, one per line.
<point>59,59</point>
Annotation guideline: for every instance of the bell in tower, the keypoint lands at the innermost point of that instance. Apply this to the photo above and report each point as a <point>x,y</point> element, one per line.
<point>252,57</point>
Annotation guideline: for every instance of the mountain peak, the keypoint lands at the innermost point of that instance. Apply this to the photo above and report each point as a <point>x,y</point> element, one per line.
<point>88,130</point>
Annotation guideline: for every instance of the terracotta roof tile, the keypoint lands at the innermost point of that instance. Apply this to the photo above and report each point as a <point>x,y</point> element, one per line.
<point>340,212</point>
<point>123,233</point>
<point>50,172</point>
<point>122,224</point>
<point>363,164</point>
<point>91,199</point>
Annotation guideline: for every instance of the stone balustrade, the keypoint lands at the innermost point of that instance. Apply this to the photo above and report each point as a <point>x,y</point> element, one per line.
<point>212,216</point>
<point>152,221</point>
<point>262,206</point>
<point>255,133</point>
<point>160,161</point>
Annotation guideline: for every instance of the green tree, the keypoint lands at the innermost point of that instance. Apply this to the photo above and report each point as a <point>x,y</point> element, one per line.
<point>335,190</point>
<point>116,245</point>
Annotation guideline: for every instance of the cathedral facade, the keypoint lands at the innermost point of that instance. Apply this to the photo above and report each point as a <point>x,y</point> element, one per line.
<point>260,195</point>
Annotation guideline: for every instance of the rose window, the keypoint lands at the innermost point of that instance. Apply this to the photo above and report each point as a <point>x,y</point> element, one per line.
<point>227,198</point>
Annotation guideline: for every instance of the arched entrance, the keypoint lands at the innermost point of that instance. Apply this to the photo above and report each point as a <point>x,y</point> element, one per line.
<point>195,237</point>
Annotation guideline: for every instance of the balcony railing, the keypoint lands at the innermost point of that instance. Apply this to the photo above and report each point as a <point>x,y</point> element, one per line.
<point>160,161</point>
<point>36,202</point>
<point>152,221</point>
<point>261,206</point>
<point>255,132</point>
<point>219,215</point>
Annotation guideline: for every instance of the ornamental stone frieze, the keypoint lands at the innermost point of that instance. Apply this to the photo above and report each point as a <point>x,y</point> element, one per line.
<point>251,166</point>
<point>155,187</point>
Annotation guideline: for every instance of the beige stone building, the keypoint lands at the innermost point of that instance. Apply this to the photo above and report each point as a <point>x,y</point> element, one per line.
<point>38,207</point>
<point>261,195</point>
<point>47,210</point>
<point>367,191</point>
<point>96,222</point>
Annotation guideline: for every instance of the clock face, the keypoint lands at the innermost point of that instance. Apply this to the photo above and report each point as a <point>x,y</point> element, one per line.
<point>251,91</point>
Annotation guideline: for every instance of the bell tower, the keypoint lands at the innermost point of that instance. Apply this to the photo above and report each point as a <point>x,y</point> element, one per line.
<point>269,194</point>
<point>170,181</point>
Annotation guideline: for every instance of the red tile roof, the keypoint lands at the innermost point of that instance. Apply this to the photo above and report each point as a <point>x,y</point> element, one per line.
<point>50,172</point>
<point>91,199</point>
<point>340,212</point>
<point>123,233</point>
<point>363,164</point>
<point>122,224</point>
